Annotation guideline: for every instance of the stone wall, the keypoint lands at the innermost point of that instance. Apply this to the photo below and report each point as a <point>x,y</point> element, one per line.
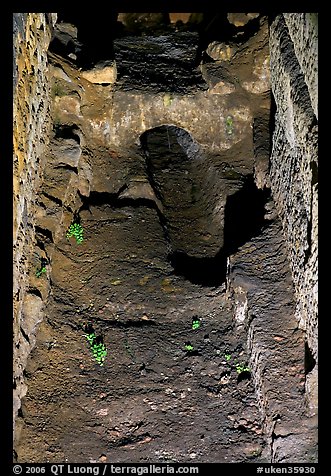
<point>32,34</point>
<point>294,166</point>
<point>273,278</point>
<point>261,282</point>
<point>303,29</point>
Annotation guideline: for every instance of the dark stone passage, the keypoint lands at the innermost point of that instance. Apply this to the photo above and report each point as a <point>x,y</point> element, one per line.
<point>86,36</point>
<point>244,215</point>
<point>244,219</point>
<point>173,162</point>
<point>209,272</point>
<point>176,168</point>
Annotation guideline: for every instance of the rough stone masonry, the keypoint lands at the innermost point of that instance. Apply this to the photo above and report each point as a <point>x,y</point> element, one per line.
<point>192,213</point>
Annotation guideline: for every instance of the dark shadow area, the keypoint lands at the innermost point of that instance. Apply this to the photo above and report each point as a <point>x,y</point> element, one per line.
<point>113,200</point>
<point>44,235</point>
<point>95,35</point>
<point>246,375</point>
<point>244,218</point>
<point>244,215</point>
<point>272,16</point>
<point>192,353</point>
<point>129,440</point>
<point>35,292</point>
<point>26,337</point>
<point>67,167</point>
<point>131,323</point>
<point>210,272</point>
<point>310,361</point>
<point>56,200</point>
<point>63,131</point>
<point>242,428</point>
<point>97,199</point>
<point>63,45</point>
<point>216,27</point>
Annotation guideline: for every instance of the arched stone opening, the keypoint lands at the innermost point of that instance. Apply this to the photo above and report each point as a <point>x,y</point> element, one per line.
<point>206,213</point>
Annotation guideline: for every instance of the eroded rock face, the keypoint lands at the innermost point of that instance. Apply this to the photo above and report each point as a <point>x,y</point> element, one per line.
<point>241,19</point>
<point>175,165</point>
<point>182,261</point>
<point>303,29</point>
<point>32,32</point>
<point>261,281</point>
<point>294,164</point>
<point>144,63</point>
